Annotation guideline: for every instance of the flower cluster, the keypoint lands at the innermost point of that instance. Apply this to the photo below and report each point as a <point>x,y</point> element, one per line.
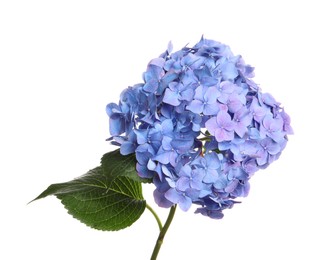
<point>199,127</point>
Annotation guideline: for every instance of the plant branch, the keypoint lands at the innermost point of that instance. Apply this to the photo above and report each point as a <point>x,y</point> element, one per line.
<point>163,232</point>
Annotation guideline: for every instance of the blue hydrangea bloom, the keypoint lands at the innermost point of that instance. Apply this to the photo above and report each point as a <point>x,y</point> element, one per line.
<point>199,126</point>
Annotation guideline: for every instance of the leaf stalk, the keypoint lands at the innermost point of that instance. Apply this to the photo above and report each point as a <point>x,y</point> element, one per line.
<point>155,216</point>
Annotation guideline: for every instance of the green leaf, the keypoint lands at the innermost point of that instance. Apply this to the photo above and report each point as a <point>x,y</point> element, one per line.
<point>105,198</point>
<point>121,165</point>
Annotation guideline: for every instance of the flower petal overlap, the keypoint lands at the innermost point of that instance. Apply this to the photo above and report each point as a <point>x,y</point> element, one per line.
<point>199,127</point>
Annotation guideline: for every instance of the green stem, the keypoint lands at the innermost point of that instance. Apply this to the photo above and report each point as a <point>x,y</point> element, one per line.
<point>206,138</point>
<point>163,232</point>
<point>155,216</point>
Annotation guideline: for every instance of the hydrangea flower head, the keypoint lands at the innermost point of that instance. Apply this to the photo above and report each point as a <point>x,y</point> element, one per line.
<point>199,127</point>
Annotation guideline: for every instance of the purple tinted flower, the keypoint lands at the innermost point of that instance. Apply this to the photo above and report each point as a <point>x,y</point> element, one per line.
<point>212,207</point>
<point>159,197</point>
<point>269,100</point>
<point>266,148</point>
<point>205,101</point>
<point>246,70</point>
<point>167,153</point>
<point>209,165</point>
<point>242,119</point>
<point>191,62</point>
<point>116,119</point>
<point>190,121</point>
<point>200,127</point>
<point>213,210</point>
<point>272,127</point>
<point>221,126</point>
<point>253,133</point>
<point>189,179</point>
<point>205,77</point>
<point>241,190</point>
<point>153,75</point>
<point>222,182</point>
<point>235,172</point>
<point>234,101</point>
<point>183,141</point>
<point>226,88</point>
<point>287,123</point>
<point>228,69</point>
<point>144,153</point>
<point>246,149</point>
<point>214,214</point>
<point>165,128</point>
<point>250,166</point>
<point>150,136</point>
<point>258,112</point>
<point>176,93</point>
<point>183,199</point>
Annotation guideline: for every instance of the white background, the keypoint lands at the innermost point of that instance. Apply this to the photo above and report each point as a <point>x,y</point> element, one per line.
<point>61,62</point>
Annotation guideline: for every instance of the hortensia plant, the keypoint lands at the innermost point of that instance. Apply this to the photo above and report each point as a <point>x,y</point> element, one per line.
<point>198,128</point>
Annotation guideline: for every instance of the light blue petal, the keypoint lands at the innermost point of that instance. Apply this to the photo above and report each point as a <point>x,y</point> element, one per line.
<point>273,148</point>
<point>240,129</point>
<point>162,157</point>
<point>171,97</point>
<point>127,148</point>
<point>199,93</point>
<point>143,172</point>
<point>111,108</point>
<point>209,81</point>
<point>196,106</point>
<point>151,165</point>
<point>211,109</point>
<point>229,71</point>
<point>167,126</point>
<point>212,125</point>
<point>151,86</point>
<point>185,171</point>
<point>182,145</point>
<point>187,94</point>
<point>254,133</point>
<point>159,62</point>
<point>183,183</point>
<point>211,95</point>
<point>141,135</point>
<point>160,200</point>
<point>262,158</point>
<point>221,182</point>
<point>116,125</point>
<point>166,143</point>
<point>231,186</point>
<point>213,161</point>
<point>185,203</point>
<point>211,176</point>
<point>172,195</point>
